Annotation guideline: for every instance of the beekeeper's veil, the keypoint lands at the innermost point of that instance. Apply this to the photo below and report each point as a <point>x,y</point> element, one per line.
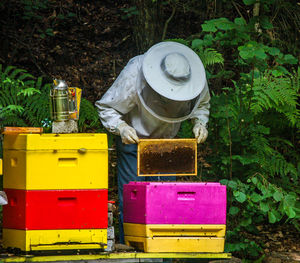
<point>173,79</point>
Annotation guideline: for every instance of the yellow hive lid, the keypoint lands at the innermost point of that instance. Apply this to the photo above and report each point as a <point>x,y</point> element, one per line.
<point>50,141</point>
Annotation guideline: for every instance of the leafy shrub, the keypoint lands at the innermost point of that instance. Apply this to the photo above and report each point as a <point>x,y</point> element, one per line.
<point>252,129</point>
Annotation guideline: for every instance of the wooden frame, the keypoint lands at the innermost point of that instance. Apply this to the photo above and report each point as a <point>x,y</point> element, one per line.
<point>167,157</point>
<point>17,130</point>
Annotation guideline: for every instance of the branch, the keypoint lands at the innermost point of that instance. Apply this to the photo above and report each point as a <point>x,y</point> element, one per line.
<point>167,22</point>
<point>230,147</point>
<point>238,10</point>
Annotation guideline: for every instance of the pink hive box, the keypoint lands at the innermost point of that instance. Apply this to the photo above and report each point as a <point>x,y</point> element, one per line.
<point>174,203</point>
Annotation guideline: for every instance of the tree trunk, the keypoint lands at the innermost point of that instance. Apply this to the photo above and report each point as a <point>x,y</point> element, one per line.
<point>147,27</point>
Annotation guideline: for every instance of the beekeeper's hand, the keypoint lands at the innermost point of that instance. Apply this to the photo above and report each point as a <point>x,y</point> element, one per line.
<point>127,133</point>
<point>200,132</point>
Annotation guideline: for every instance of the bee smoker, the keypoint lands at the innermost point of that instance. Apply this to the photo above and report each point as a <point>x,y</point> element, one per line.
<point>64,107</point>
<point>62,101</point>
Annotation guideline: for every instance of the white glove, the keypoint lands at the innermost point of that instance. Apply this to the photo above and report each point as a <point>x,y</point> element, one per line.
<point>200,132</point>
<point>127,133</point>
<point>3,198</point>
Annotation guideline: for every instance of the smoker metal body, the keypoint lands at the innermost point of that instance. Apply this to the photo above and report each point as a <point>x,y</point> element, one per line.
<point>64,101</point>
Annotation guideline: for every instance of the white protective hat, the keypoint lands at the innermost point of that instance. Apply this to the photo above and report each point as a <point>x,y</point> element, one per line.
<point>174,71</point>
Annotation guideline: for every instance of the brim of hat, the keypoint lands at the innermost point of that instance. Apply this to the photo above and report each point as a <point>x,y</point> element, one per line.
<point>155,77</point>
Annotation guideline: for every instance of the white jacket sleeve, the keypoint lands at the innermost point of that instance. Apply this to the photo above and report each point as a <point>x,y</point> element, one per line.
<point>201,114</point>
<point>120,98</point>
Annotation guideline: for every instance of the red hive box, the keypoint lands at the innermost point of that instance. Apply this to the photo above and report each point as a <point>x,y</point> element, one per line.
<point>55,209</point>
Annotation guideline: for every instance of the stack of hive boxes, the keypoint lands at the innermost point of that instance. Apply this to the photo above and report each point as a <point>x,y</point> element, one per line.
<point>57,191</point>
<point>173,216</point>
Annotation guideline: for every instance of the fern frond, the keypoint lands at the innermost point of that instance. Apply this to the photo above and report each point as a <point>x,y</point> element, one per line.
<point>15,73</point>
<point>38,83</point>
<point>88,117</point>
<point>37,106</point>
<point>8,69</point>
<point>210,56</point>
<point>6,97</point>
<point>270,160</point>
<point>23,99</point>
<point>12,120</point>
<point>277,165</point>
<point>276,93</point>
<point>13,108</point>
<point>28,92</point>
<point>261,145</point>
<point>26,76</point>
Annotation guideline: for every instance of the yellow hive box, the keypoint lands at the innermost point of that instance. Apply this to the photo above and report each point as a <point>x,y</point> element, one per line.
<point>55,161</point>
<point>175,238</point>
<point>32,240</point>
<point>1,170</point>
<point>176,244</point>
<point>168,230</point>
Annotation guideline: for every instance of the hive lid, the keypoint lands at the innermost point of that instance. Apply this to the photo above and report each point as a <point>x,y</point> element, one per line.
<point>50,141</point>
<point>175,184</point>
<point>18,130</point>
<point>167,157</point>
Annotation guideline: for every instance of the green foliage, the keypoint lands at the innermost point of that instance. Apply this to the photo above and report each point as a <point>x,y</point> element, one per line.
<point>253,128</point>
<point>37,107</point>
<point>17,88</point>
<point>256,154</point>
<point>88,117</point>
<point>186,130</point>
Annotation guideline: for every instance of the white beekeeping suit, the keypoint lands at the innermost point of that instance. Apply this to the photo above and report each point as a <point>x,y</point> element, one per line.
<point>155,92</point>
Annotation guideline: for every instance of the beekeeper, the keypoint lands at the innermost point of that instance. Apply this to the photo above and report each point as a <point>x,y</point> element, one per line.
<point>153,94</point>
